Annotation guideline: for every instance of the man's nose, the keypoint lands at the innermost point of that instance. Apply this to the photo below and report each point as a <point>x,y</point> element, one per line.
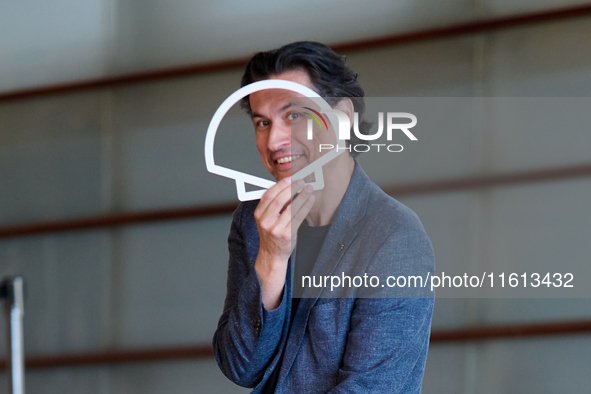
<point>279,136</point>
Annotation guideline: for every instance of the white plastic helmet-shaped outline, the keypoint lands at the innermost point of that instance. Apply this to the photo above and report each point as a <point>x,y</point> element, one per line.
<point>242,178</point>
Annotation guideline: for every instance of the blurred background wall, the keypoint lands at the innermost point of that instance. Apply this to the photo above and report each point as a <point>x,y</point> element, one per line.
<point>138,147</point>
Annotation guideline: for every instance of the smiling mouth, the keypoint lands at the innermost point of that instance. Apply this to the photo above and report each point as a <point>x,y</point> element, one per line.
<point>287,159</point>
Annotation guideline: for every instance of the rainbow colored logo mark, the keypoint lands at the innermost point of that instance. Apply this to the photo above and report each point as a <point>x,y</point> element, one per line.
<point>315,118</point>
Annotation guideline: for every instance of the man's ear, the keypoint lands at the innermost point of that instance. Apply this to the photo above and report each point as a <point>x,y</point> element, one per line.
<point>346,106</point>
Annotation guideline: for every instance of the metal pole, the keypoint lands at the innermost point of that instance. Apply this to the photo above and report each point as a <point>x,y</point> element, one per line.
<point>12,290</point>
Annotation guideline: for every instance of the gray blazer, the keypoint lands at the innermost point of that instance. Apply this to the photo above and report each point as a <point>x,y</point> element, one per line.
<point>338,345</point>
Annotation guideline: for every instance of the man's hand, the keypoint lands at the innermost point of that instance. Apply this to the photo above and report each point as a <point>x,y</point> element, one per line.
<point>277,216</point>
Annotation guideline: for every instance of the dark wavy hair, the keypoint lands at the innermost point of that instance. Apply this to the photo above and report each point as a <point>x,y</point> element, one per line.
<point>327,70</point>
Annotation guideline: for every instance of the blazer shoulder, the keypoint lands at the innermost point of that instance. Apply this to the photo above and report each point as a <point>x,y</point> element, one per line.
<point>244,226</point>
<point>390,213</point>
<point>245,212</point>
<point>401,235</point>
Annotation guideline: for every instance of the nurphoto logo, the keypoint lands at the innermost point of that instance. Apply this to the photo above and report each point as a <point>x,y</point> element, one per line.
<point>344,132</point>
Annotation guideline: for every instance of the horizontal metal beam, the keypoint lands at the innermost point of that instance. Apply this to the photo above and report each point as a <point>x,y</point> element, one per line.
<point>117,357</point>
<point>483,25</point>
<point>455,30</point>
<point>98,222</point>
<point>507,332</point>
<point>493,180</point>
<point>446,185</point>
<point>511,331</point>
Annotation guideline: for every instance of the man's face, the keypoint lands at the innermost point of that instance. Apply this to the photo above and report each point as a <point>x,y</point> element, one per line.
<point>282,152</point>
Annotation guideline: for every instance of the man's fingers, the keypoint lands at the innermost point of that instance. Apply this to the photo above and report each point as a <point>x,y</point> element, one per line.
<point>301,208</point>
<point>271,194</point>
<point>280,202</point>
<point>275,207</point>
<point>277,214</point>
<point>301,198</point>
<point>295,208</point>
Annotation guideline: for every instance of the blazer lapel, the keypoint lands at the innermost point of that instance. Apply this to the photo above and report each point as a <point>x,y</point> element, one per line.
<point>340,236</point>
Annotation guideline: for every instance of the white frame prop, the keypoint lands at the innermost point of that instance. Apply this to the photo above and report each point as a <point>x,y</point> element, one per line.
<point>243,178</point>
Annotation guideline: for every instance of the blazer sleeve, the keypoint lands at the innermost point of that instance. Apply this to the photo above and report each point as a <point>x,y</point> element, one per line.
<point>247,335</point>
<point>388,340</point>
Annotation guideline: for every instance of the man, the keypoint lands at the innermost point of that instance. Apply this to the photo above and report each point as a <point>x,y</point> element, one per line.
<point>266,338</point>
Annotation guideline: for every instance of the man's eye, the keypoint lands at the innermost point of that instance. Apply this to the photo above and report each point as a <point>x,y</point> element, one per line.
<point>262,123</point>
<point>294,115</point>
